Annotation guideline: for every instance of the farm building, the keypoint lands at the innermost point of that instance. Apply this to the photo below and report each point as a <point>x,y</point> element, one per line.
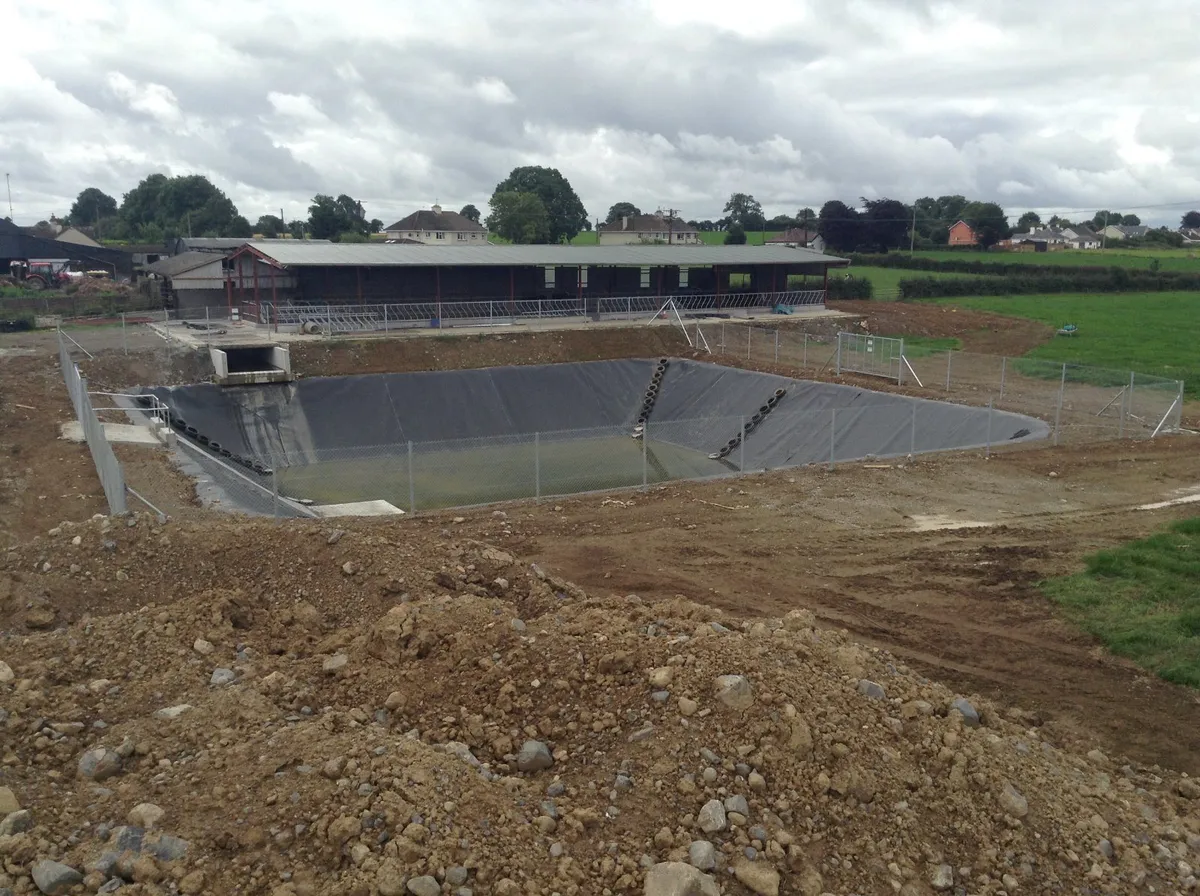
<point>431,283</point>
<point>17,245</point>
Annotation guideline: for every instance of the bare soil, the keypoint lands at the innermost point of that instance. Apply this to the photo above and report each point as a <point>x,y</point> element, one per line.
<point>314,775</point>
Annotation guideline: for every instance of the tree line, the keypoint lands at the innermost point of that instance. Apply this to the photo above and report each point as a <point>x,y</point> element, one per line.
<point>537,204</point>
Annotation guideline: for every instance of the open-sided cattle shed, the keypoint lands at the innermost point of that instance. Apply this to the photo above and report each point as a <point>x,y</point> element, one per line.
<point>586,277</point>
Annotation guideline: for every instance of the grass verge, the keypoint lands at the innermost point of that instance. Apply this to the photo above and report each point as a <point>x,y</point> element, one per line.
<point>1143,601</point>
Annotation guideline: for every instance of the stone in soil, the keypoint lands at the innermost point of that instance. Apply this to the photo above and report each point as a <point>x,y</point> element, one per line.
<point>534,757</point>
<point>100,764</point>
<point>55,878</point>
<point>703,855</point>
<point>734,691</point>
<point>1013,802</point>
<point>758,877</point>
<point>969,713</point>
<point>678,879</point>
<point>8,801</point>
<point>711,818</point>
<point>871,689</point>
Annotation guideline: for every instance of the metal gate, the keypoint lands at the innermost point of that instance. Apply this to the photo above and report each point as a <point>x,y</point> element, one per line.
<point>873,355</point>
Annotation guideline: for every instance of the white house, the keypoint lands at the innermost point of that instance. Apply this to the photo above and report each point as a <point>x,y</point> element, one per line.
<point>437,227</point>
<point>633,229</point>
<point>1125,232</point>
<point>799,238</point>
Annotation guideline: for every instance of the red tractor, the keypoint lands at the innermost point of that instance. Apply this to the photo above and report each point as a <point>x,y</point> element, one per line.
<point>41,273</point>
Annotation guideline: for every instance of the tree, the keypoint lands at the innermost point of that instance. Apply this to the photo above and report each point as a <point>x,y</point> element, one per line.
<point>91,205</point>
<point>470,212</point>
<point>781,222</point>
<point>745,210</point>
<point>329,218</point>
<point>885,224</point>
<point>1104,218</point>
<point>806,218</point>
<point>519,217</point>
<point>620,210</point>
<point>270,226</point>
<point>1190,219</point>
<point>172,206</point>
<point>1058,223</point>
<point>735,235</point>
<point>1130,220</point>
<point>1029,222</point>
<point>297,229</point>
<point>988,221</point>
<point>565,214</point>
<point>839,225</point>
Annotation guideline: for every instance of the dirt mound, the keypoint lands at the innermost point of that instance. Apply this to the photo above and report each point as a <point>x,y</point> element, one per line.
<point>297,709</point>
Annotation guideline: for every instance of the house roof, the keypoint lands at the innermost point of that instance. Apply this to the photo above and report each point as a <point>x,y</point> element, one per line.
<point>646,224</point>
<point>290,253</point>
<point>436,219</point>
<point>182,263</point>
<point>794,235</point>
<point>1133,229</point>
<point>963,223</point>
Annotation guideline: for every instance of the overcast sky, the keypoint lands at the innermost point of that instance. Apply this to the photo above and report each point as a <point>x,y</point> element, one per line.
<point>1074,104</point>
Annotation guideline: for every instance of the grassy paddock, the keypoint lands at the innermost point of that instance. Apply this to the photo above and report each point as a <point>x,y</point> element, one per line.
<point>1168,259</point>
<point>1143,601</point>
<point>1155,333</point>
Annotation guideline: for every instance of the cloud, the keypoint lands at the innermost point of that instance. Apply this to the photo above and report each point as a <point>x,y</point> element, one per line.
<point>654,101</point>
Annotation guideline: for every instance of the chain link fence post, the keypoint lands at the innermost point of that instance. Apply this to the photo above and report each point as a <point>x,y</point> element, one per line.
<point>837,367</point>
<point>412,483</point>
<point>776,346</point>
<point>1121,423</point>
<point>741,444</point>
<point>949,359</point>
<point>749,336</point>
<point>1062,386</point>
<point>832,435</point>
<point>804,357</point>
<point>124,343</point>
<point>645,456</point>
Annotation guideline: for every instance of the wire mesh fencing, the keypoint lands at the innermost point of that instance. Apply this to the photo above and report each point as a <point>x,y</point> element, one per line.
<point>112,479</point>
<point>1081,403</point>
<point>432,475</point>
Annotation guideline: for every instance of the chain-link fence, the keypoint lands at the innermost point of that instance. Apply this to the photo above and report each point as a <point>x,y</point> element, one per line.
<point>419,476</point>
<point>112,479</point>
<point>1081,403</point>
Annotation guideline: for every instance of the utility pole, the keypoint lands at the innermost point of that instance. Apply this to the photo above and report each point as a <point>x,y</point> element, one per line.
<point>8,184</point>
<point>671,213</point>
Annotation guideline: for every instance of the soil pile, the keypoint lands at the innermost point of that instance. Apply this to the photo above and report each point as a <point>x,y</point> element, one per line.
<point>392,709</point>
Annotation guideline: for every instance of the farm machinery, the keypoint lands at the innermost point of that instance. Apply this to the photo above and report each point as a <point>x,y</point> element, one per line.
<point>42,273</point>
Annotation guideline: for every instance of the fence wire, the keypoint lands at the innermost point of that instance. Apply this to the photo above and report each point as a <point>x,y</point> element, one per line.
<point>1081,403</point>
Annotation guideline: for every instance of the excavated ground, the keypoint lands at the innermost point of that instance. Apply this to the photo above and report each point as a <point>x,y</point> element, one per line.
<point>359,697</point>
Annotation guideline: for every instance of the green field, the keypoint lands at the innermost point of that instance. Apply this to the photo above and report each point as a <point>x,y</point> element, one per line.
<point>1168,259</point>
<point>1155,333</point>
<point>1143,601</point>
<point>886,281</point>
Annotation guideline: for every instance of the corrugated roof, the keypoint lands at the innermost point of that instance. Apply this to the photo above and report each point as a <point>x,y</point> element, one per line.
<point>179,264</point>
<point>393,255</point>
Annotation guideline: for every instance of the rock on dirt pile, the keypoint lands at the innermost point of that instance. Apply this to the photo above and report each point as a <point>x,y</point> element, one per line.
<point>390,711</point>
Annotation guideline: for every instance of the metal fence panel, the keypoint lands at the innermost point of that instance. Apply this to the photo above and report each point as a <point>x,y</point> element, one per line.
<point>870,355</point>
<point>112,479</point>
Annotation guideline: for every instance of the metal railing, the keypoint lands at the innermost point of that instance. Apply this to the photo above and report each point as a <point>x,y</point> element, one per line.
<point>112,478</point>
<point>382,317</point>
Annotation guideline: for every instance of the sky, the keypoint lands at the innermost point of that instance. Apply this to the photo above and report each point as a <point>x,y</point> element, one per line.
<point>1068,106</point>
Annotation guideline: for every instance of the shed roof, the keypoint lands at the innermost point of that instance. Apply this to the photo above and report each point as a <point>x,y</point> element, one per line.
<point>179,264</point>
<point>295,254</point>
